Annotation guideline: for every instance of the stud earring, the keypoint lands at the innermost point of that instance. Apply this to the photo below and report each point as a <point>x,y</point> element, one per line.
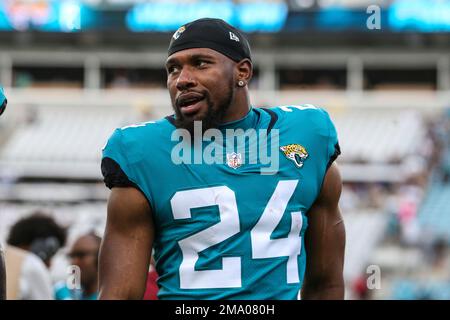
<point>241,83</point>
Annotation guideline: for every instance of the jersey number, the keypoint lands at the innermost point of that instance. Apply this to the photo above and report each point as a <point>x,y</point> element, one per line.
<point>262,245</point>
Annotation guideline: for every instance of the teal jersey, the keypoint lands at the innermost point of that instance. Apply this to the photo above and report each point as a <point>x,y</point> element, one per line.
<point>62,292</point>
<point>3,100</point>
<point>2,96</point>
<point>225,230</point>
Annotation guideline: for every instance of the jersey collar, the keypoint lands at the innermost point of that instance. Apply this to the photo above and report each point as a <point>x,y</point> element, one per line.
<point>249,121</point>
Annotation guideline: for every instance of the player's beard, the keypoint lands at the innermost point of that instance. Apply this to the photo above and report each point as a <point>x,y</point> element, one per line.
<point>213,117</point>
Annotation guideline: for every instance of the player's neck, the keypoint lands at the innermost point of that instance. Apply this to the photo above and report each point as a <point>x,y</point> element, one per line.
<point>239,108</point>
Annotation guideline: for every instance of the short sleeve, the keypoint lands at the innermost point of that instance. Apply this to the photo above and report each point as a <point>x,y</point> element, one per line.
<point>333,148</point>
<point>115,167</point>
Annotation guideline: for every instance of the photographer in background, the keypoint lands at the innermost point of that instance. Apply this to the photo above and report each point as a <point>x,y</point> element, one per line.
<point>32,243</point>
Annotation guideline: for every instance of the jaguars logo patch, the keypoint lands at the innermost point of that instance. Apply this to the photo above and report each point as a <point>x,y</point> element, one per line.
<point>177,33</point>
<point>296,153</point>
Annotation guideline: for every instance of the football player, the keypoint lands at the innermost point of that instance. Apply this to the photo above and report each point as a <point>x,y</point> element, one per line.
<point>222,230</point>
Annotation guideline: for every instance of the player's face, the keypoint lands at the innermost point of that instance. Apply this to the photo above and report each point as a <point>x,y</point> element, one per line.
<point>201,86</point>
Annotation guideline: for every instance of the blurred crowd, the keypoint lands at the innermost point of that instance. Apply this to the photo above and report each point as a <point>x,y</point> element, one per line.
<point>427,276</point>
<point>32,244</point>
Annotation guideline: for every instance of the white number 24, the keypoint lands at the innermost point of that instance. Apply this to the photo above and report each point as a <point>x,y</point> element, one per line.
<point>262,245</point>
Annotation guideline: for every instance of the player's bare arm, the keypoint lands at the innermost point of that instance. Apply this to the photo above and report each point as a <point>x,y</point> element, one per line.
<point>325,243</point>
<point>127,245</point>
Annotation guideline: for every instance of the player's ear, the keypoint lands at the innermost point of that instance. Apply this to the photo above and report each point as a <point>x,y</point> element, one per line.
<point>244,70</point>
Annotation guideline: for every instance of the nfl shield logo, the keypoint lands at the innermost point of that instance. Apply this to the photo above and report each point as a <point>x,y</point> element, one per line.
<point>234,160</point>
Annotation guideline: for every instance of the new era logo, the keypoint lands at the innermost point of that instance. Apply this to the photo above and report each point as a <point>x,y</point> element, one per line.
<point>177,34</point>
<point>233,37</point>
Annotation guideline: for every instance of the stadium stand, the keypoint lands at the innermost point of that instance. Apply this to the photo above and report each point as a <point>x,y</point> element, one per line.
<point>434,211</point>
<point>379,136</point>
<point>61,142</point>
<point>360,243</point>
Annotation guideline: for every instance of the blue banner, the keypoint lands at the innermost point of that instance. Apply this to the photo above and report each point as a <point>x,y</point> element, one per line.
<point>170,15</point>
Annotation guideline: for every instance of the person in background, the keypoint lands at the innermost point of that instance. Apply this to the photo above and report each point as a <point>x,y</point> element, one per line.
<point>84,255</point>
<point>151,290</point>
<point>360,288</point>
<point>31,243</point>
<point>27,276</point>
<point>40,234</point>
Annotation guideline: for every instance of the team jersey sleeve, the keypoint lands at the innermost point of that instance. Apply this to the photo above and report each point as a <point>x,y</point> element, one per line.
<point>322,129</point>
<point>115,167</point>
<point>333,148</point>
